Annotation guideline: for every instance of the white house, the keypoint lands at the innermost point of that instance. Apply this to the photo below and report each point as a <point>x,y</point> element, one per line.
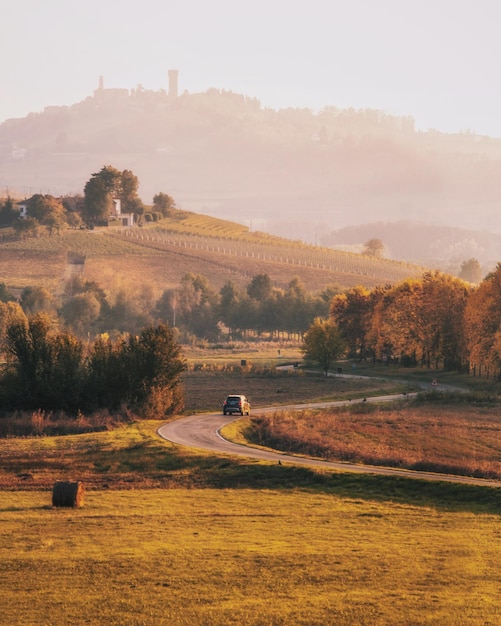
<point>125,219</point>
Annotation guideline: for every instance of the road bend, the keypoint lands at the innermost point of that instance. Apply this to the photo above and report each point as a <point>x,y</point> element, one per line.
<point>203,431</point>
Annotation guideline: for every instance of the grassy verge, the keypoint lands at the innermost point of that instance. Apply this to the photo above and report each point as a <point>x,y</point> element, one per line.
<point>245,557</point>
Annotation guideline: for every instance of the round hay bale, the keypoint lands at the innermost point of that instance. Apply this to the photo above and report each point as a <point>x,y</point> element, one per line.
<point>65,493</point>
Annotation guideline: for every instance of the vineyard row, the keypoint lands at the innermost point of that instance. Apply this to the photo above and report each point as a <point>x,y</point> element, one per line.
<point>306,256</point>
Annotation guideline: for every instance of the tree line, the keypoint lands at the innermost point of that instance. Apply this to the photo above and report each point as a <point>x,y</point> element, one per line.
<point>436,321</point>
<point>52,370</point>
<point>195,308</point>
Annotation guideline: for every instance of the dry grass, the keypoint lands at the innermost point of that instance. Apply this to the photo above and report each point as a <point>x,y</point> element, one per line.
<point>206,388</point>
<point>455,439</point>
<point>246,558</point>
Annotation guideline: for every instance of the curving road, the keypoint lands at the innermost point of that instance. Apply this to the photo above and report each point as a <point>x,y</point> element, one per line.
<point>203,432</point>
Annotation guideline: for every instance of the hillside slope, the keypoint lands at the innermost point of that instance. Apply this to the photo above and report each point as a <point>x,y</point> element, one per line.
<point>160,256</point>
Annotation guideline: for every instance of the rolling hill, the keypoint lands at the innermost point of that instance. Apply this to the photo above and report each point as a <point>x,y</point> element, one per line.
<point>294,172</point>
<point>161,255</point>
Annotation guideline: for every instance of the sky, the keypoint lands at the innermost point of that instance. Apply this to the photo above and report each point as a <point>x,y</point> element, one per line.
<point>436,61</point>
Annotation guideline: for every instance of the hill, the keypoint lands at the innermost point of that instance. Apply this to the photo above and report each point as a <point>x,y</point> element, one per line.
<point>293,172</point>
<point>429,244</point>
<point>161,255</point>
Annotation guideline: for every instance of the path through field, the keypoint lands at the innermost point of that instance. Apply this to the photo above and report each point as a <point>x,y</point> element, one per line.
<point>202,431</point>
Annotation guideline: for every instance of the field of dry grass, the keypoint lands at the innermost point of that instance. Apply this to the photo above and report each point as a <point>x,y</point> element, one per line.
<point>206,390</point>
<point>247,557</point>
<point>451,438</point>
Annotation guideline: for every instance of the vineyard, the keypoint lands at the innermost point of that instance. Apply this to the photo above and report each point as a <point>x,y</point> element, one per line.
<point>250,257</point>
<point>161,254</point>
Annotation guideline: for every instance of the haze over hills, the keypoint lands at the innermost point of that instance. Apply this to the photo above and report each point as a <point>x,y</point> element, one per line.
<point>292,172</point>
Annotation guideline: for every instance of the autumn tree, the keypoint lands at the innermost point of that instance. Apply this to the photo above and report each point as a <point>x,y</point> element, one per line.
<point>48,211</point>
<point>482,325</point>
<point>323,343</point>
<point>419,321</point>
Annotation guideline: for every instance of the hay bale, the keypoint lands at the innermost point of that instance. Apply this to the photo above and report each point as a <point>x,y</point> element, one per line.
<point>66,493</point>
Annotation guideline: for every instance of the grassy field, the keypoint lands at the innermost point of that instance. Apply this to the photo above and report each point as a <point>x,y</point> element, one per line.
<point>170,536</point>
<point>246,557</point>
<point>448,438</point>
<point>206,389</point>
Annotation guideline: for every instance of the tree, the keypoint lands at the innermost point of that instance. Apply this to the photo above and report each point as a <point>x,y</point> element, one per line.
<point>229,302</point>
<point>129,184</point>
<point>44,369</point>
<point>99,192</point>
<point>10,312</point>
<point>164,203</point>
<point>482,323</point>
<point>154,365</point>
<point>5,294</point>
<point>48,370</point>
<point>351,312</point>
<point>98,202</point>
<point>197,305</point>
<point>28,227</point>
<point>8,213</point>
<point>296,307</point>
<point>107,185</point>
<point>374,247</point>
<point>81,311</point>
<point>74,220</point>
<point>323,343</point>
<point>260,287</point>
<point>48,211</point>
<point>471,271</point>
<point>419,321</point>
<point>37,300</point>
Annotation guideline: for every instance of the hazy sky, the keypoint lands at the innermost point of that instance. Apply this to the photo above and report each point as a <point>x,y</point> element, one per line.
<point>437,61</point>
